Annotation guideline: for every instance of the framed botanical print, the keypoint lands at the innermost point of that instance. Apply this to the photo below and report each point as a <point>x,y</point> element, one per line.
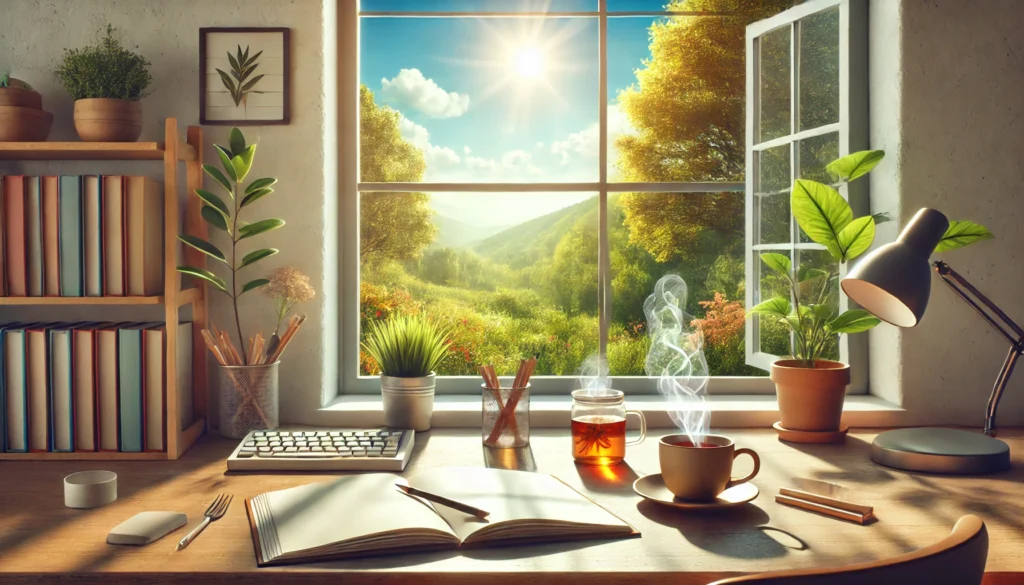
<point>244,77</point>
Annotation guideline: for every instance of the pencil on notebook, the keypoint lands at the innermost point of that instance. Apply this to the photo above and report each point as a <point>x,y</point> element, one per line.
<point>466,508</point>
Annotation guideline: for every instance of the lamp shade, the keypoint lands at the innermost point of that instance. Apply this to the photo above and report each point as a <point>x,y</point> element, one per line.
<point>893,282</point>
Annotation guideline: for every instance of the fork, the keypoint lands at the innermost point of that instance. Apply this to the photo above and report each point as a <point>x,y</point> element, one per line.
<point>213,512</point>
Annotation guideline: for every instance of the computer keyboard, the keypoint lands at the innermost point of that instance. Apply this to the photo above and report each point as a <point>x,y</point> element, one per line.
<point>324,449</point>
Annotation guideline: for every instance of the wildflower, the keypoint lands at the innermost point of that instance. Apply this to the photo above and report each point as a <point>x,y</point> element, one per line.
<point>288,287</point>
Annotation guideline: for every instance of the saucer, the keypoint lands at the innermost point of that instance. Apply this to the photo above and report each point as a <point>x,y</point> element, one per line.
<point>653,488</point>
<point>811,436</point>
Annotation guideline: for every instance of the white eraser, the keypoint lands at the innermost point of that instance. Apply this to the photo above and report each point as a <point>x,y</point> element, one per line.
<point>146,527</point>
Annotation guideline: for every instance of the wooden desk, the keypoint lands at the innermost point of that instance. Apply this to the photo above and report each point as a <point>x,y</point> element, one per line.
<point>42,541</point>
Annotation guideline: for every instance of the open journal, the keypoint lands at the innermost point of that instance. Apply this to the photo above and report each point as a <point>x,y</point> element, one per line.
<point>361,515</point>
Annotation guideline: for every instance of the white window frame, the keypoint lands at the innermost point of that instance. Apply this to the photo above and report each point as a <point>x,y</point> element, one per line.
<point>852,128</point>
<point>350,188</point>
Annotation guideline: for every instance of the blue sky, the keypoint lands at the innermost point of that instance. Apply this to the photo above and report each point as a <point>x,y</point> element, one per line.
<point>501,99</point>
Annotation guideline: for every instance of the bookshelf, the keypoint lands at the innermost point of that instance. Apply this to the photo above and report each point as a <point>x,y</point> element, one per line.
<point>175,149</point>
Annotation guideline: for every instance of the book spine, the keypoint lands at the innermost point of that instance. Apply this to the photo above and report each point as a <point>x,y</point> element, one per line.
<point>16,391</point>
<point>34,235</point>
<point>14,229</point>
<point>130,383</point>
<point>51,237</point>
<point>70,236</point>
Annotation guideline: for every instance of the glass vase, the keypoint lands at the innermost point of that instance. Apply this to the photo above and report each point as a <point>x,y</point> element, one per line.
<point>247,399</point>
<point>506,417</point>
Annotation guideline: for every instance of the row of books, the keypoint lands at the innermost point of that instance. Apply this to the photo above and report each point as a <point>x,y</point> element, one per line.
<point>79,387</point>
<point>74,236</point>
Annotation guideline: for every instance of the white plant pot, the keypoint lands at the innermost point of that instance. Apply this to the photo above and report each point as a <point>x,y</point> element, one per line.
<point>408,402</point>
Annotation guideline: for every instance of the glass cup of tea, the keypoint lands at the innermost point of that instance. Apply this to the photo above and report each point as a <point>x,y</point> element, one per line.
<point>599,427</point>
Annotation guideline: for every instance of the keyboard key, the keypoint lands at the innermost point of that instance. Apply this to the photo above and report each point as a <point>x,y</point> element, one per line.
<point>249,444</point>
<point>376,444</point>
<point>359,452</point>
<point>373,453</point>
<point>384,434</point>
<point>290,449</point>
<point>390,452</point>
<point>348,434</point>
<point>304,455</point>
<point>258,434</point>
<point>284,433</point>
<point>287,443</point>
<point>321,434</point>
<point>246,455</point>
<point>330,449</point>
<point>335,433</point>
<point>277,449</point>
<point>317,449</point>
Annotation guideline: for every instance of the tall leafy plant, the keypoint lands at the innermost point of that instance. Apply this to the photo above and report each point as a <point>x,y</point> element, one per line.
<point>407,346</point>
<point>236,160</point>
<point>827,219</point>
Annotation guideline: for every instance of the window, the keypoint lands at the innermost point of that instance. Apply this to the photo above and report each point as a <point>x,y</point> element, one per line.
<point>527,170</point>
<point>807,105</point>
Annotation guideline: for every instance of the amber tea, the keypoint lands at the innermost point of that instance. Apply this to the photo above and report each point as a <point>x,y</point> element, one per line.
<point>599,439</point>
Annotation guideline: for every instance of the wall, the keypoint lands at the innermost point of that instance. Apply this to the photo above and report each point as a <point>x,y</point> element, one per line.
<point>167,33</point>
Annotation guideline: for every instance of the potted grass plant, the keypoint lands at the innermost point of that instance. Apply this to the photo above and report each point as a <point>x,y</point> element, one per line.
<point>106,80</point>
<point>408,350</point>
<point>810,388</point>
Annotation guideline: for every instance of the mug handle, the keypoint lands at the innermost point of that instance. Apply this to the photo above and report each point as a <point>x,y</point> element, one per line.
<point>643,427</point>
<point>750,476</point>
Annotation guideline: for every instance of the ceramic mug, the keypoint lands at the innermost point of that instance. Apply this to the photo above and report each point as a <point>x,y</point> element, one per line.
<point>701,473</point>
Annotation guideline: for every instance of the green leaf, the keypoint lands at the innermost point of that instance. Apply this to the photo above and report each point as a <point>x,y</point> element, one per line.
<point>259,184</point>
<point>822,312</point>
<point>807,273</point>
<point>227,81</point>
<point>856,237</point>
<point>254,284</point>
<point>777,307</point>
<point>778,262</point>
<point>249,84</point>
<point>243,162</point>
<point>259,227</point>
<point>852,321</point>
<point>252,197</point>
<point>237,141</point>
<point>205,275</point>
<point>203,246</point>
<point>253,257</point>
<point>235,68</point>
<point>219,177</point>
<point>225,161</point>
<point>213,201</point>
<point>962,233</point>
<point>855,165</point>
<point>214,218</point>
<point>821,212</point>
<point>250,60</point>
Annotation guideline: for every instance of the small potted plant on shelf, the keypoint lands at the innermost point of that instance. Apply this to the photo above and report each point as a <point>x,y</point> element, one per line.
<point>810,388</point>
<point>106,81</point>
<point>248,396</point>
<point>407,350</point>
<point>22,118</point>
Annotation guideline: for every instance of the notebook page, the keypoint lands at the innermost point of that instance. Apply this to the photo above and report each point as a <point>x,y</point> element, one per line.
<point>350,507</point>
<point>544,503</point>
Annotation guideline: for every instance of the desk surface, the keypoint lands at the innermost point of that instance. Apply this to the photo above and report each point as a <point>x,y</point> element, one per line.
<point>38,534</point>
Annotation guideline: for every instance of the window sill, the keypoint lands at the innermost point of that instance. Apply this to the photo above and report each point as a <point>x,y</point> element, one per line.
<point>727,411</point>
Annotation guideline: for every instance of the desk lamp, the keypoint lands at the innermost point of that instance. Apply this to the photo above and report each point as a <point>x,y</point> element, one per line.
<point>893,283</point>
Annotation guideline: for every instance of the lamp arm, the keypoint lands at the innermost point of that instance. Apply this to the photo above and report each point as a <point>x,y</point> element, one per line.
<point>973,297</point>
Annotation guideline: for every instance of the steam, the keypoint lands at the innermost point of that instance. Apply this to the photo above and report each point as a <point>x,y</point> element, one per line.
<point>594,375</point>
<point>676,357</point>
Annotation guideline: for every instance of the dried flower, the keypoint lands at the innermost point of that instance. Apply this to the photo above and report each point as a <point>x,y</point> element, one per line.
<point>288,287</point>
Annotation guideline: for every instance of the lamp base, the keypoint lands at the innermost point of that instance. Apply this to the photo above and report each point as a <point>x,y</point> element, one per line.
<point>940,450</point>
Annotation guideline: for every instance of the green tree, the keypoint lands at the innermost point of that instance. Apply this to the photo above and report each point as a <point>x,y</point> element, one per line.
<point>393,226</point>
<point>688,109</point>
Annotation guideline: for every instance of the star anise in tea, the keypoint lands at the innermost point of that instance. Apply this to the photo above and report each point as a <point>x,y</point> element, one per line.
<point>593,437</point>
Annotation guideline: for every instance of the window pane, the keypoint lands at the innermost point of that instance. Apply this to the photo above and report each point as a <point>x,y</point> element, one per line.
<point>478,100</point>
<point>819,69</point>
<point>698,236</point>
<point>513,274</point>
<point>820,286</point>
<point>773,337</point>
<point>775,218</point>
<point>774,169</point>
<point>775,84</point>
<point>815,154</point>
<point>478,5</point>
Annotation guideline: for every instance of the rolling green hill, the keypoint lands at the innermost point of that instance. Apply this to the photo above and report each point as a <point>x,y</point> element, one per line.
<point>524,244</point>
<point>452,233</point>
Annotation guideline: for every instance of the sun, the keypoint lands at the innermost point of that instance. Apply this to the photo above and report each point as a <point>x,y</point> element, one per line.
<point>529,63</point>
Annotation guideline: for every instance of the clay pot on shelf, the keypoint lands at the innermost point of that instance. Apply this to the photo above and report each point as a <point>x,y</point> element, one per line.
<point>810,399</point>
<point>108,120</point>
<point>20,124</point>
<point>25,98</point>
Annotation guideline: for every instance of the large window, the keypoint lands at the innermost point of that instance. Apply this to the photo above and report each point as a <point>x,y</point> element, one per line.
<point>528,169</point>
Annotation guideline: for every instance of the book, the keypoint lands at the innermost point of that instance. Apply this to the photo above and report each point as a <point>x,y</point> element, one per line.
<point>186,412</point>
<point>62,431</point>
<point>34,235</point>
<point>15,258</point>
<point>107,377</point>
<point>129,381</point>
<point>153,395</point>
<point>15,389</point>
<point>51,237</point>
<point>112,195</point>
<point>37,374</point>
<point>83,355</point>
<point>144,246</point>
<point>3,253</point>
<point>70,236</point>
<point>92,236</point>
<point>288,525</point>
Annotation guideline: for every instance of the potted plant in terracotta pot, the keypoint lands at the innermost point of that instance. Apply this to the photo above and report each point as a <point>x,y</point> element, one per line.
<point>810,388</point>
<point>106,81</point>
<point>408,350</point>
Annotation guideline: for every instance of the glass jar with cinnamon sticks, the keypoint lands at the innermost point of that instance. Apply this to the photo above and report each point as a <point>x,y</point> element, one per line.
<point>506,410</point>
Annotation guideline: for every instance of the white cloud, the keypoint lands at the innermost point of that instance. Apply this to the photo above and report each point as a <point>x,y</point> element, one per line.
<point>584,144</point>
<point>466,150</point>
<point>435,156</point>
<point>413,132</point>
<point>410,88</point>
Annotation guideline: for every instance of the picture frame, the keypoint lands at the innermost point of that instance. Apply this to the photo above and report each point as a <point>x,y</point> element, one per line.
<point>254,91</point>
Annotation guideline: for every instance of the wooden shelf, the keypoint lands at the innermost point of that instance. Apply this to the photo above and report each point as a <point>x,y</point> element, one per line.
<point>90,151</point>
<point>98,456</point>
<point>77,301</point>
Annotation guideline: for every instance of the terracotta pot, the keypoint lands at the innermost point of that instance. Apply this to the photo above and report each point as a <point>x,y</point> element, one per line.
<point>810,399</point>
<point>108,120</point>
<point>19,124</point>
<point>25,98</point>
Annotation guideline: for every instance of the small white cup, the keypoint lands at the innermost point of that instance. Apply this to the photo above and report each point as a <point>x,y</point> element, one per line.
<point>90,489</point>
